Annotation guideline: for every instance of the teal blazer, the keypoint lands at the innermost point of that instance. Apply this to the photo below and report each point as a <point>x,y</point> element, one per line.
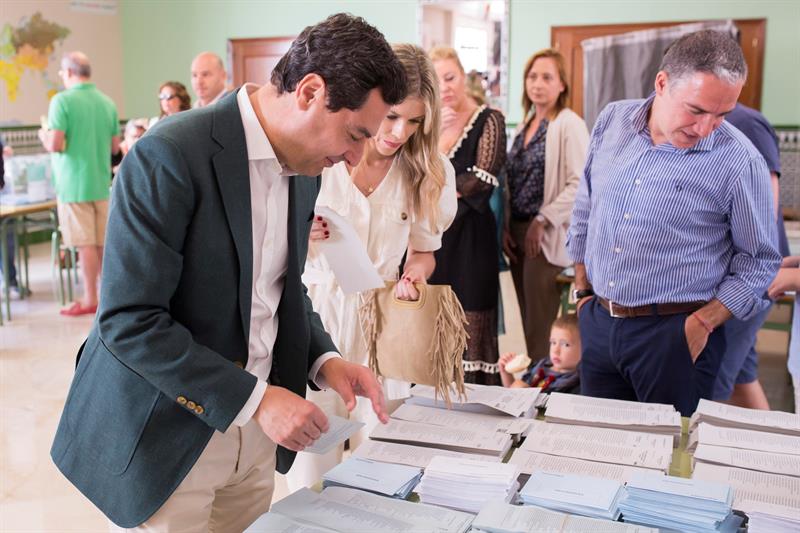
<point>161,368</point>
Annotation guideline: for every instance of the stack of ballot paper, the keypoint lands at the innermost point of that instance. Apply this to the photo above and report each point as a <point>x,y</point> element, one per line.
<point>466,484</point>
<point>768,497</point>
<point>601,412</point>
<point>499,517</point>
<point>407,454</point>
<point>456,419</point>
<point>681,504</point>
<point>458,439</point>
<point>605,445</point>
<point>530,462</point>
<point>583,495</point>
<point>720,414</point>
<point>768,518</point>
<point>348,510</point>
<point>388,479</point>
<point>485,399</point>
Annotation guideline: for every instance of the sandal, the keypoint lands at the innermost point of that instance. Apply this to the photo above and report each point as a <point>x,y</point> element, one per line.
<point>77,309</point>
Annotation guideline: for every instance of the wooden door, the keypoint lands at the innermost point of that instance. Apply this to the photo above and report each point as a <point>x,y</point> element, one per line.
<point>252,60</point>
<point>567,39</point>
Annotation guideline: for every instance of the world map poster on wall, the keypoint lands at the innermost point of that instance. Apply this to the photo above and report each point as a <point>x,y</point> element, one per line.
<point>30,45</point>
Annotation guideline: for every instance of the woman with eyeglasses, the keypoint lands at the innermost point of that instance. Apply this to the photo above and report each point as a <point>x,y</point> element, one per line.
<point>173,98</point>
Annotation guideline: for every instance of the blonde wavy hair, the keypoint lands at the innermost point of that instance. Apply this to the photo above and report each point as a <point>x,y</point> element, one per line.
<point>418,159</point>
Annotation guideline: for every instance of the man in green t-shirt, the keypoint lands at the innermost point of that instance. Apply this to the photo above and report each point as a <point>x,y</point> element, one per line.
<point>83,133</point>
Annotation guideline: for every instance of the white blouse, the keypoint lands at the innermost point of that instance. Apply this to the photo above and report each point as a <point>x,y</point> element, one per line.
<point>387,225</point>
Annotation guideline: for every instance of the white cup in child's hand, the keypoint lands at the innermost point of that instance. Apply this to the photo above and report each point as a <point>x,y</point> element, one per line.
<point>519,363</point>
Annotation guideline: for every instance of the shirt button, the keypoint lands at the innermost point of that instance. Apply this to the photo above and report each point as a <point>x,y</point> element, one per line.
<point>637,182</point>
<point>617,250</point>
<point>610,283</point>
<point>626,216</point>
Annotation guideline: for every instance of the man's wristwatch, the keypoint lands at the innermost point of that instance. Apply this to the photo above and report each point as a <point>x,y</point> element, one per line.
<point>577,294</point>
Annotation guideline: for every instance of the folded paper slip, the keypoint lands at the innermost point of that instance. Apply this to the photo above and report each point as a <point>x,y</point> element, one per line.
<point>373,476</point>
<point>583,495</point>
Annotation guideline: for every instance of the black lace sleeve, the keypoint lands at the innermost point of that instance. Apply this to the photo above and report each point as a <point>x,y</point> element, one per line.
<point>477,184</point>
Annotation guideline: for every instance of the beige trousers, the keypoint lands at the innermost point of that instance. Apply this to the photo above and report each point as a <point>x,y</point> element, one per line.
<point>226,490</point>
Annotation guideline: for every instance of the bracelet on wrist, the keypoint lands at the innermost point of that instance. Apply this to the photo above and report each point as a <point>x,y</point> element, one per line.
<point>703,323</point>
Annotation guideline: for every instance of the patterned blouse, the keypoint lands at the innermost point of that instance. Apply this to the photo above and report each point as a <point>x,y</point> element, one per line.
<point>525,170</point>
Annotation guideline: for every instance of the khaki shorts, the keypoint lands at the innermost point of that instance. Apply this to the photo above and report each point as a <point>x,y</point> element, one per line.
<point>83,223</point>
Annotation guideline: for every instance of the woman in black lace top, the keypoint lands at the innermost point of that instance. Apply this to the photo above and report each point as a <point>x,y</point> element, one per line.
<point>474,139</point>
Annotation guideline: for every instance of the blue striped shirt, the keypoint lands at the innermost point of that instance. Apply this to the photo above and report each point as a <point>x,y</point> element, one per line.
<point>658,224</point>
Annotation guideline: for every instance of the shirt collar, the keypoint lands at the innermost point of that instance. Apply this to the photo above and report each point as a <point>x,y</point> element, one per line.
<point>258,145</point>
<point>639,124</point>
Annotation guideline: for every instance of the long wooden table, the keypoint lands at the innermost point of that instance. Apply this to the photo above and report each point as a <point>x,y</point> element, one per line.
<point>9,213</point>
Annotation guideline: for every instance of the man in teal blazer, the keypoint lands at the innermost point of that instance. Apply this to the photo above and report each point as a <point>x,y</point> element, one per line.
<point>166,369</point>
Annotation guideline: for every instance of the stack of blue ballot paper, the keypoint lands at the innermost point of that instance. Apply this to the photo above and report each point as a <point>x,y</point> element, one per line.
<point>387,479</point>
<point>570,493</point>
<point>670,502</point>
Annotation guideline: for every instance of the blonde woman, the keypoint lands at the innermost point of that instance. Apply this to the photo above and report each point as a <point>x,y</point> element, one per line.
<point>474,139</point>
<point>543,170</point>
<point>399,198</point>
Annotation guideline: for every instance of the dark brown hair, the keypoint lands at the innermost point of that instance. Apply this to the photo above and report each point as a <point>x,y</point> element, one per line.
<point>350,55</point>
<point>180,92</point>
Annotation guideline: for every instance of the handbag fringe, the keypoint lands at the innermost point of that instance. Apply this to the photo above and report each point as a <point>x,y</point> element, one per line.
<point>447,346</point>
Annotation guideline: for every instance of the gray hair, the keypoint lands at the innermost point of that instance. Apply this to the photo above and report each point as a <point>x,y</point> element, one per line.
<point>705,51</point>
<point>77,63</point>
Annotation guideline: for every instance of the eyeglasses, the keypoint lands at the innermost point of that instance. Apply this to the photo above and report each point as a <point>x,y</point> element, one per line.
<point>167,96</point>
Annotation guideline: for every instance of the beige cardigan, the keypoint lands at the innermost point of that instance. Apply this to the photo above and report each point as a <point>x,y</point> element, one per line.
<point>565,149</point>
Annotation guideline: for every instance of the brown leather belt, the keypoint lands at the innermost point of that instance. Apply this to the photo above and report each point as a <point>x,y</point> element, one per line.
<point>620,311</point>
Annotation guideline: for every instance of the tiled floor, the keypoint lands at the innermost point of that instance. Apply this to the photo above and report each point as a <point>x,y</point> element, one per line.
<point>37,354</point>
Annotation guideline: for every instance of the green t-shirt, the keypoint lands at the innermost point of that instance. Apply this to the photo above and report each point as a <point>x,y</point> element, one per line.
<point>88,118</point>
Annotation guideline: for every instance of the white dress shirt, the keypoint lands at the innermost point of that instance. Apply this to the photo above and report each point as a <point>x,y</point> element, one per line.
<point>269,203</point>
<point>197,104</point>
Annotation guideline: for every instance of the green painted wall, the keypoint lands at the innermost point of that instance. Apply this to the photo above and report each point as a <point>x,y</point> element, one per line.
<point>780,98</point>
<point>160,38</point>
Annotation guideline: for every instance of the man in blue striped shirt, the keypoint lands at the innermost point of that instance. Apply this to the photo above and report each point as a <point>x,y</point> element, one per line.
<point>672,229</point>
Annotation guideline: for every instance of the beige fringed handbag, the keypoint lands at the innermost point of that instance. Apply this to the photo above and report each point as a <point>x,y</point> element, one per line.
<point>419,341</point>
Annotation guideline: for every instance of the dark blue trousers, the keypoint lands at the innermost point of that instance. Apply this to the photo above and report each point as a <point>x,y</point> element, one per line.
<point>645,359</point>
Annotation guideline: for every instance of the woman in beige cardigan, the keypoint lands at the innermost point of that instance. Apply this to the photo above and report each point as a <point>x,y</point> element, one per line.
<point>543,170</point>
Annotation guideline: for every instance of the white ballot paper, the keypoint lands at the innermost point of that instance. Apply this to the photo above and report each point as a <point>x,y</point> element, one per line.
<point>350,510</point>
<point>499,517</point>
<point>347,255</point>
<point>456,419</point>
<point>277,523</point>
<point>753,488</point>
<point>339,430</point>
<point>530,462</point>
<point>407,454</point>
<point>776,463</point>
<point>646,450</point>
<point>585,410</point>
<point>487,399</point>
<point>721,414</point>
<point>457,439</point>
<point>745,439</point>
